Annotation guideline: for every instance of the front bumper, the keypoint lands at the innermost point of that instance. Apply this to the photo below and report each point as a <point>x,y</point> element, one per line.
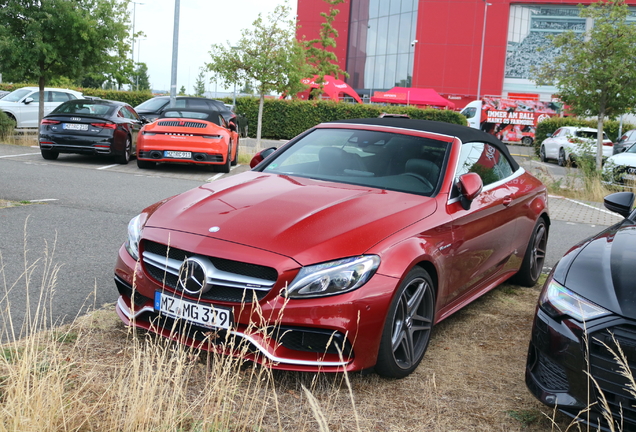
<point>559,362</point>
<point>330,334</point>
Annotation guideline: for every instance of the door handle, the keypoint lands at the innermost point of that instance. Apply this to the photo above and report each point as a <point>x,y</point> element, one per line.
<point>507,200</point>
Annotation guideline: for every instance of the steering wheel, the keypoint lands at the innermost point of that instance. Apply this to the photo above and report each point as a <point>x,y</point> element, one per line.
<point>420,178</point>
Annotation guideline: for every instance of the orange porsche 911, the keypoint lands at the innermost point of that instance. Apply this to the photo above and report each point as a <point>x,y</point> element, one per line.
<point>188,136</point>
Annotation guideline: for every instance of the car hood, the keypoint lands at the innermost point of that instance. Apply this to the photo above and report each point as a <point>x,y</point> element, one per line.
<point>603,269</point>
<point>624,159</point>
<point>307,220</point>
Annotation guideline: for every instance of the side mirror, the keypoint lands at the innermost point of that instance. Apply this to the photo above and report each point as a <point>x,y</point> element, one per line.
<point>620,202</point>
<point>144,120</point>
<point>261,156</point>
<point>469,185</point>
<point>28,100</point>
<point>232,126</point>
<point>548,135</point>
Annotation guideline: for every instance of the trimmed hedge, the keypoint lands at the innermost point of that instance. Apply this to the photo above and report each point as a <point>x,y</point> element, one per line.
<point>133,98</point>
<point>610,127</point>
<point>284,119</point>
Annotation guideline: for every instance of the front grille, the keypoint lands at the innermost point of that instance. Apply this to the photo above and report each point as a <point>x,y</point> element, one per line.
<point>190,124</point>
<point>605,370</point>
<point>234,281</point>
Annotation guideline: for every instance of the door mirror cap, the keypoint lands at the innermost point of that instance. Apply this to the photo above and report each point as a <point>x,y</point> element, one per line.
<point>470,186</point>
<point>261,156</point>
<point>28,100</point>
<point>620,202</point>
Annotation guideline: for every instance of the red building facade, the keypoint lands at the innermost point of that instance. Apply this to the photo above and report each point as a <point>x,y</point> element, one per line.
<point>460,48</point>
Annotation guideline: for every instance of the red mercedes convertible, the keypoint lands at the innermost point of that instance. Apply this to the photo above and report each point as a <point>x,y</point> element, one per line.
<point>338,251</point>
<point>188,135</point>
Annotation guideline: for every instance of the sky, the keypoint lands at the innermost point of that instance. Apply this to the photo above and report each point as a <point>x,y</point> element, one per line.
<point>201,24</point>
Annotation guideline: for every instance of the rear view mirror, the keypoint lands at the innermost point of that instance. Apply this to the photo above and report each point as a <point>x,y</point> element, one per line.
<point>620,202</point>
<point>261,156</point>
<point>469,185</point>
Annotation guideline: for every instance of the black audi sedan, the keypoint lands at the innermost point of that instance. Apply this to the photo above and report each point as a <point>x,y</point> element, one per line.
<point>91,127</point>
<point>585,318</point>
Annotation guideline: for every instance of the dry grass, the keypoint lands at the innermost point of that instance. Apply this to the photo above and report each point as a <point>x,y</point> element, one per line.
<point>24,140</point>
<point>97,375</point>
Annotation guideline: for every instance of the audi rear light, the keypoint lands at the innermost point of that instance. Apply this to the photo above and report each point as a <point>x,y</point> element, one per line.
<point>49,122</point>
<point>105,125</point>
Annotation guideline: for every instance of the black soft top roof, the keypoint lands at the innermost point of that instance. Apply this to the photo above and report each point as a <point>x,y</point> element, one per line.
<point>463,133</point>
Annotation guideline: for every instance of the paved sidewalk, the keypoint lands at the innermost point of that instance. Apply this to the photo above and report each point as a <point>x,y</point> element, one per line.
<point>561,208</point>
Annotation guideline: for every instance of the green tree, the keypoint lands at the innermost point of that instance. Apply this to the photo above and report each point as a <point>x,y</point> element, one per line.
<point>199,85</point>
<point>320,57</point>
<point>42,40</point>
<point>267,53</point>
<point>595,73</point>
<point>182,91</point>
<point>139,78</point>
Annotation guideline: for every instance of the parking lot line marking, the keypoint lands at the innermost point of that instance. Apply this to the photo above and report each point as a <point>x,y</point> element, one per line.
<point>107,166</point>
<point>44,200</point>
<point>595,208</point>
<point>23,154</point>
<point>214,177</point>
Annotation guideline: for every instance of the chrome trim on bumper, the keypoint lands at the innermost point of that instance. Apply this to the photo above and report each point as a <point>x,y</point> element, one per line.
<point>121,304</point>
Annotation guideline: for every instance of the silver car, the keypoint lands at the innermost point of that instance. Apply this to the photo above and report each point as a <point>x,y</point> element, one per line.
<point>22,105</point>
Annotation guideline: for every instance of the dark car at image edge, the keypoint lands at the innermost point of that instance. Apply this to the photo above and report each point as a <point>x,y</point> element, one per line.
<point>586,312</point>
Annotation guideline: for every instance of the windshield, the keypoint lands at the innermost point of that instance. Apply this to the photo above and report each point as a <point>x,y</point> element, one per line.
<point>16,95</point>
<point>92,108</point>
<point>154,104</point>
<point>376,159</point>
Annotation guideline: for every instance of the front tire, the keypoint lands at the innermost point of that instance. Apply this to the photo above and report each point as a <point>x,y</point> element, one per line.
<point>526,140</point>
<point>542,154</point>
<point>534,258</point>
<point>408,326</point>
<point>49,154</point>
<point>235,160</point>
<point>125,158</point>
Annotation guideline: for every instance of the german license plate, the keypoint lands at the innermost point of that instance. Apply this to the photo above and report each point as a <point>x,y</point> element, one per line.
<point>196,313</point>
<point>630,177</point>
<point>177,154</point>
<point>75,126</point>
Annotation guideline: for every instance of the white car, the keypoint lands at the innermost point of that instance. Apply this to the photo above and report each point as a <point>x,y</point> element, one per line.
<point>568,142</point>
<point>620,169</point>
<point>22,104</point>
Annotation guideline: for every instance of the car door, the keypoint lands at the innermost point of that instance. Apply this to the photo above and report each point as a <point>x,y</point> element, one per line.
<point>483,235</point>
<point>551,145</point>
<point>133,122</point>
<point>28,110</point>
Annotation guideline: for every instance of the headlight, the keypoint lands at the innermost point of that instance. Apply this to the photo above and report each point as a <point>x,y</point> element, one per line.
<point>135,226</point>
<point>556,301</point>
<point>334,277</point>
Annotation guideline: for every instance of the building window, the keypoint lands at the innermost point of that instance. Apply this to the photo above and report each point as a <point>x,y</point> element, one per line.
<point>380,54</point>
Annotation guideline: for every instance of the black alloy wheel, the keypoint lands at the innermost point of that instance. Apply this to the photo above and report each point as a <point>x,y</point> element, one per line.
<point>408,326</point>
<point>49,154</point>
<point>534,258</point>
<point>125,158</point>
